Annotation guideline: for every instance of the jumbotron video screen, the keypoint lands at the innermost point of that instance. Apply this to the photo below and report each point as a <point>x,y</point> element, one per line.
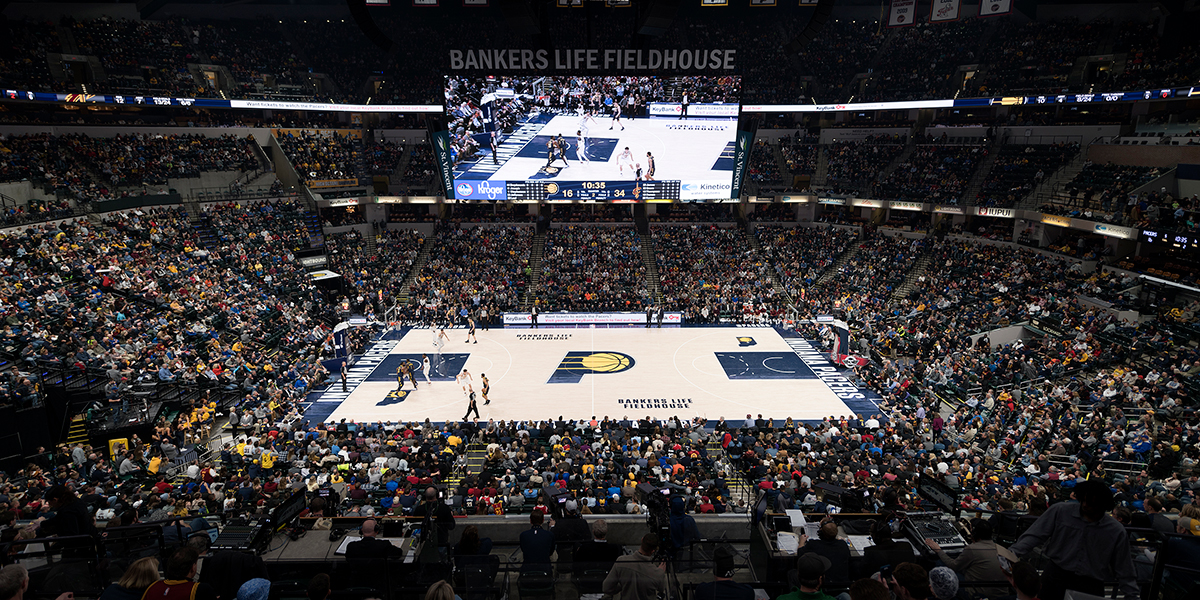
<point>592,138</point>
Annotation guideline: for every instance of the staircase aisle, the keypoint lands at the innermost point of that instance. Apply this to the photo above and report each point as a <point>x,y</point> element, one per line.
<point>975,183</point>
<point>1054,180</point>
<point>772,271</point>
<point>653,283</point>
<point>837,265</point>
<point>534,285</point>
<point>910,282</point>
<point>418,264</point>
<point>822,173</point>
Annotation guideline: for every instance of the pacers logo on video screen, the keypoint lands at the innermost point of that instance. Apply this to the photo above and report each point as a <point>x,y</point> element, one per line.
<point>577,364</point>
<point>746,341</point>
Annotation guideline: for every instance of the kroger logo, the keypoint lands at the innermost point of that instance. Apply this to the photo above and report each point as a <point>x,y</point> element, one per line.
<point>463,189</point>
<point>491,191</point>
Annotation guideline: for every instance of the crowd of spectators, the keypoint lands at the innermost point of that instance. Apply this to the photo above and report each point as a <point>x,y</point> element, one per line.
<point>763,167</point>
<point>1019,168</point>
<point>800,255</point>
<point>692,213</point>
<point>477,267</point>
<point>259,68</point>
<point>420,168</point>
<point>923,59</point>
<point>369,274</point>
<point>709,272</point>
<point>855,164</point>
<point>322,154</point>
<point>933,173</point>
<point>1038,57</point>
<point>593,269</point>
<point>383,158</point>
<point>800,155</point>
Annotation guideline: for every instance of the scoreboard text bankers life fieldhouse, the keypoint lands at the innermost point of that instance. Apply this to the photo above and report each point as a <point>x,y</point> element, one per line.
<point>598,191</point>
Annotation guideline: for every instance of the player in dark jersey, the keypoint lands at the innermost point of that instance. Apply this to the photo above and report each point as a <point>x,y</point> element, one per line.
<point>649,167</point>
<point>561,146</point>
<point>486,386</point>
<point>470,331</point>
<point>616,116</point>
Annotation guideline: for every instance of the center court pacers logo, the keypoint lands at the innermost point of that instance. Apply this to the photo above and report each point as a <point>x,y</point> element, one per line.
<point>746,341</point>
<point>577,364</point>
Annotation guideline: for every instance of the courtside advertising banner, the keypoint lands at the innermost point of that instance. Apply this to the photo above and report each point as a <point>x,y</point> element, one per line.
<point>994,8</point>
<point>672,109</point>
<point>562,318</point>
<point>441,151</point>
<point>944,10</point>
<point>903,13</point>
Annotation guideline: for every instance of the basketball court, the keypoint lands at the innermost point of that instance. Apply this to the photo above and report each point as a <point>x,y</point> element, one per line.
<point>580,372</point>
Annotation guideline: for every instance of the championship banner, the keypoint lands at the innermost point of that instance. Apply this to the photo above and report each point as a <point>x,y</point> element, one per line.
<point>944,10</point>
<point>994,8</point>
<point>569,318</point>
<point>902,13</point>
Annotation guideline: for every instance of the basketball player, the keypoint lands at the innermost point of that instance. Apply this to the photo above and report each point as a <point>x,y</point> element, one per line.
<point>486,386</point>
<point>584,120</point>
<point>581,150</point>
<point>471,407</point>
<point>425,368</point>
<point>616,116</point>
<point>625,158</point>
<point>683,113</point>
<point>464,379</point>
<point>439,341</point>
<point>649,167</point>
<point>561,145</point>
<point>550,147</point>
<point>638,172</point>
<point>492,142</point>
<point>470,331</point>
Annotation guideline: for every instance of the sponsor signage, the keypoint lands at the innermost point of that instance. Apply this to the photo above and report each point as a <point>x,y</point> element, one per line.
<point>949,210</point>
<point>441,153</point>
<point>1056,220</point>
<point>336,202</point>
<point>795,198</point>
<point>1125,233</point>
<point>592,59</point>
<point>672,109</point>
<point>480,190</point>
<point>1003,213</point>
<point>902,205</point>
<point>597,318</point>
<point>837,201</point>
<point>867,203</point>
<point>314,261</point>
<point>330,183</point>
<point>741,159</point>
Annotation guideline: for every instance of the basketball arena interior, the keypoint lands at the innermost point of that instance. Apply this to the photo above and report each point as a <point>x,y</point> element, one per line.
<point>584,299</point>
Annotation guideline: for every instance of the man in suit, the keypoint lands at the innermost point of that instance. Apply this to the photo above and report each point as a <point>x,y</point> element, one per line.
<point>370,546</point>
<point>537,544</point>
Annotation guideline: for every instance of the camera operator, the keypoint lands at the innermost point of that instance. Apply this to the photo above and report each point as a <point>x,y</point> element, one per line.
<point>569,532</point>
<point>437,517</point>
<point>683,529</point>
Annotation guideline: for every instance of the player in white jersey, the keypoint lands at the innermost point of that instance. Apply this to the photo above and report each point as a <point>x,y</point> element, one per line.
<point>581,147</point>
<point>625,159</point>
<point>464,379</point>
<point>439,341</point>
<point>425,367</point>
<point>585,120</point>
